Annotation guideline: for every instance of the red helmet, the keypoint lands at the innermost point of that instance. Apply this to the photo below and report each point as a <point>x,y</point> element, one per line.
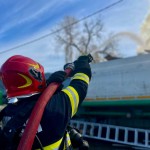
<point>22,76</point>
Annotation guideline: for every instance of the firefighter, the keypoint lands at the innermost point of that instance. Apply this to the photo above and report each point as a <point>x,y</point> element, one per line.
<point>24,81</point>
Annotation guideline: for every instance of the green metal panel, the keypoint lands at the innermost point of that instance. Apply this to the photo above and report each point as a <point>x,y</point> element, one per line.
<point>96,103</point>
<point>116,108</point>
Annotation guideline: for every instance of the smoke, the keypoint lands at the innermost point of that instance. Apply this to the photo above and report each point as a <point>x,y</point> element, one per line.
<point>129,35</point>
<point>141,45</point>
<point>145,32</point>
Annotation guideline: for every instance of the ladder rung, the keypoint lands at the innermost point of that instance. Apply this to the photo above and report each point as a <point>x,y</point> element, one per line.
<point>116,134</point>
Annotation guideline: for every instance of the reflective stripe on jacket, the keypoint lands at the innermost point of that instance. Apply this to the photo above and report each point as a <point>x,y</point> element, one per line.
<point>72,93</point>
<point>56,145</point>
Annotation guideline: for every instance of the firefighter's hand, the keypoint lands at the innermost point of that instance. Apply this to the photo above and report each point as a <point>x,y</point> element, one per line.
<point>81,65</point>
<point>58,76</point>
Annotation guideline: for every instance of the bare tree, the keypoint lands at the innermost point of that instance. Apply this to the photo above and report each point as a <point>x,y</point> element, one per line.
<point>82,38</point>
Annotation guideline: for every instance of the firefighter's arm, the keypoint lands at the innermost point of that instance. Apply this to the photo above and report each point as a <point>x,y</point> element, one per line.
<point>77,89</point>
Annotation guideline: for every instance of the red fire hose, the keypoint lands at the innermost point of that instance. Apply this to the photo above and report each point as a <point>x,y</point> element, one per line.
<point>36,115</point>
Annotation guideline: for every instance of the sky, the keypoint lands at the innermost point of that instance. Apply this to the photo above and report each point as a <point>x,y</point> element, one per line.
<point>23,21</point>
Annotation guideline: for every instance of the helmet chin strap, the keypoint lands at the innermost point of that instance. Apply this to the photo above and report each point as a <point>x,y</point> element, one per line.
<point>14,100</point>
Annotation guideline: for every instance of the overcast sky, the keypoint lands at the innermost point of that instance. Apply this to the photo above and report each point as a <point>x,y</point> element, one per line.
<point>24,20</point>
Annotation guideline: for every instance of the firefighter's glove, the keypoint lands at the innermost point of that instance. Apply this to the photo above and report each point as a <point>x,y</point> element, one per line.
<point>81,65</point>
<point>58,76</point>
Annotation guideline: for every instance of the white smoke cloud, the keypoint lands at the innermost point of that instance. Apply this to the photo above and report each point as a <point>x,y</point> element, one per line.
<point>145,31</point>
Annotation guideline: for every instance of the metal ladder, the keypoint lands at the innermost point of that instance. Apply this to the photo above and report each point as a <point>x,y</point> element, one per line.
<point>118,134</point>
